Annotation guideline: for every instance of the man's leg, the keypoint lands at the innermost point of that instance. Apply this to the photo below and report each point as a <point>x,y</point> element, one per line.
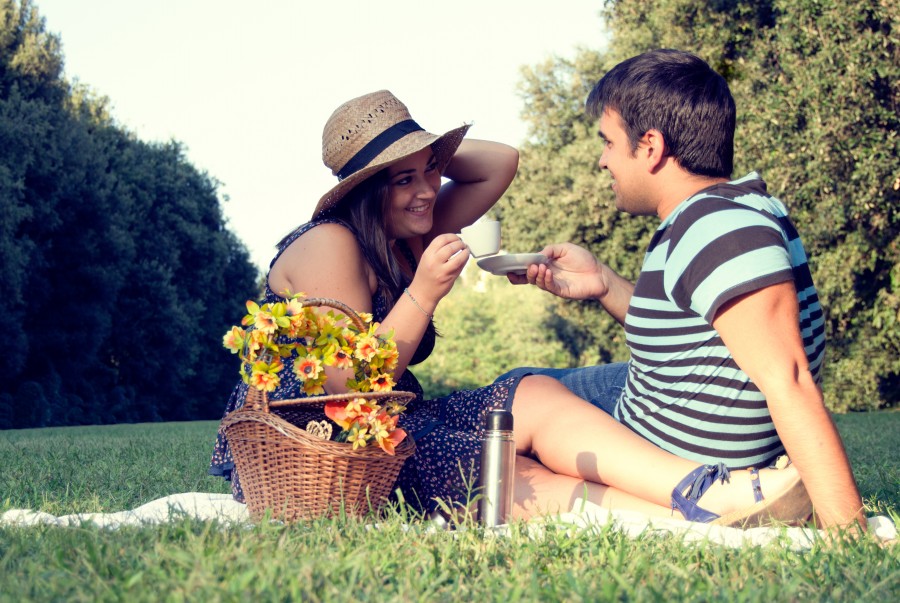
<point>601,385</point>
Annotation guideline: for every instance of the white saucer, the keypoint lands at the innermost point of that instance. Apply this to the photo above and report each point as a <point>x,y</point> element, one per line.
<point>516,263</point>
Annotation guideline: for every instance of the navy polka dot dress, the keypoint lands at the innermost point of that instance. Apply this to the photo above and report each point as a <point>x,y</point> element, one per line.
<point>447,431</point>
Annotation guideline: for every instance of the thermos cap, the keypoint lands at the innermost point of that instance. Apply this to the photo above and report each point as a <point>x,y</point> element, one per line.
<point>499,420</point>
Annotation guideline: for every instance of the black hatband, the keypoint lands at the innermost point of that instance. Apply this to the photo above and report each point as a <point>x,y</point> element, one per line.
<point>377,145</point>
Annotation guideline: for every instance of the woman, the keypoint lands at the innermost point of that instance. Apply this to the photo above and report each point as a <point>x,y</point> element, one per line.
<point>382,242</point>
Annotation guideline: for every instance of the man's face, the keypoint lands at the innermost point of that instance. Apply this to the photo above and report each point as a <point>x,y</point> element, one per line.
<point>629,173</point>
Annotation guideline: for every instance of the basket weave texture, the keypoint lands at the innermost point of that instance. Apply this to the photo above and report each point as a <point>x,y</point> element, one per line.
<point>297,475</point>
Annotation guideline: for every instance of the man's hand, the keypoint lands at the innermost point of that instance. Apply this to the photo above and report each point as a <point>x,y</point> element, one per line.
<point>572,272</point>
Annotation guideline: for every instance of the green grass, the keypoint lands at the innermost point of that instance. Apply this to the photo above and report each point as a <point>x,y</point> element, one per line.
<point>91,469</point>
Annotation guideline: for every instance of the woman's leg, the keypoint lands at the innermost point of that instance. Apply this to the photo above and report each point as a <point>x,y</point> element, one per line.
<point>571,437</point>
<point>538,491</point>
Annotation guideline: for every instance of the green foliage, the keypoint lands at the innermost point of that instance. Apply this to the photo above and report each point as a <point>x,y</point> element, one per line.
<point>560,194</point>
<point>492,327</point>
<point>817,84</point>
<point>119,275</point>
<point>113,468</point>
<point>825,84</point>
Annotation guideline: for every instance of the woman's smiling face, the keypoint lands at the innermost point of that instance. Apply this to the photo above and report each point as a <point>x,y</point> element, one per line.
<point>413,185</point>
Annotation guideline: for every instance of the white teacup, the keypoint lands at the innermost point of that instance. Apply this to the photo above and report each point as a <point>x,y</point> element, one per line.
<point>482,238</point>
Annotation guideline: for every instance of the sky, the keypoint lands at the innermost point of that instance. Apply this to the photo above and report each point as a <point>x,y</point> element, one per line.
<point>246,87</point>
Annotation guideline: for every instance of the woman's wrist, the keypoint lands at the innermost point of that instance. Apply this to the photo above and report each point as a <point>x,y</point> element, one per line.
<point>417,304</point>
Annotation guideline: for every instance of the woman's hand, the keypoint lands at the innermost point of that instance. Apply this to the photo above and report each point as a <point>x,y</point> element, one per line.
<point>440,265</point>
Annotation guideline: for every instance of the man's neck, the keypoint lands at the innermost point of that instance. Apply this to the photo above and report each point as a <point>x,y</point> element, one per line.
<point>681,186</point>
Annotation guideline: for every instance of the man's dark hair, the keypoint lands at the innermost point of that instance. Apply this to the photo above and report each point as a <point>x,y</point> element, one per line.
<point>680,95</point>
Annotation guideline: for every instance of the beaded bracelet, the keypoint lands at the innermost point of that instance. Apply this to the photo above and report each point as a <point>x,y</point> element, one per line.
<point>421,309</point>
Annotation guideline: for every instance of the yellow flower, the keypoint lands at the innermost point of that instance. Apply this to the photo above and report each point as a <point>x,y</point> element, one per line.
<point>359,437</point>
<point>313,388</point>
<point>327,337</point>
<point>349,337</point>
<point>264,376</point>
<point>357,407</point>
<point>394,407</point>
<point>294,307</point>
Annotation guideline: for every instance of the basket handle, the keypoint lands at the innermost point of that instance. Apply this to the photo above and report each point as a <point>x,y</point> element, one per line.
<point>258,399</point>
<point>338,305</point>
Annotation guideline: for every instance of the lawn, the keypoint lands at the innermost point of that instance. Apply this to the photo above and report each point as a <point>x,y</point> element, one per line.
<point>112,468</point>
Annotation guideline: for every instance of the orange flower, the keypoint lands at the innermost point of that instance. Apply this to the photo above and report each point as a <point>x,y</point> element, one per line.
<point>337,412</point>
<point>234,339</point>
<point>389,443</point>
<point>265,322</point>
<point>382,383</point>
<point>342,359</point>
<point>366,348</point>
<point>264,376</point>
<point>308,368</point>
<point>256,342</point>
<point>390,361</point>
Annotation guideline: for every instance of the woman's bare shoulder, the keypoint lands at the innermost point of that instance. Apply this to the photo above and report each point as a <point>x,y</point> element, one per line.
<point>326,253</point>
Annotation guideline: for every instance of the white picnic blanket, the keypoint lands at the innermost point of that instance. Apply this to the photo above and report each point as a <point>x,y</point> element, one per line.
<point>584,515</point>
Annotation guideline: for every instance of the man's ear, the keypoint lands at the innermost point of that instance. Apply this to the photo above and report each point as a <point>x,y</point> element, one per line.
<point>654,148</point>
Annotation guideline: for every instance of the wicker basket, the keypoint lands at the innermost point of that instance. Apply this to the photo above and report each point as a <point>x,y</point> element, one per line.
<point>297,475</point>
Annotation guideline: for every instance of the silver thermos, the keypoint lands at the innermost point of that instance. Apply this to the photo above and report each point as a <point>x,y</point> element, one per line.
<point>498,463</point>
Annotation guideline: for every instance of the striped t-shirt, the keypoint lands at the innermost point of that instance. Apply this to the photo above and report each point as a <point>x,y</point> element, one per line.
<point>684,391</point>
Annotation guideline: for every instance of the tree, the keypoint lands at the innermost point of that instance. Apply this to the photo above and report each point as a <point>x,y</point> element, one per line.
<point>485,340</point>
<point>817,83</point>
<point>120,273</point>
<point>560,194</point>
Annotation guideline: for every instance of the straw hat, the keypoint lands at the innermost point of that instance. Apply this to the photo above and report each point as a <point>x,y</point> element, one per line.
<point>369,133</point>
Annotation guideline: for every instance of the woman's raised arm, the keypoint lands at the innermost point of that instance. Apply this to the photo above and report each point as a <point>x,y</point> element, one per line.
<point>478,175</point>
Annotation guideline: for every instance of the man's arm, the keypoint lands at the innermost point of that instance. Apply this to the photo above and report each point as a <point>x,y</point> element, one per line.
<point>761,331</point>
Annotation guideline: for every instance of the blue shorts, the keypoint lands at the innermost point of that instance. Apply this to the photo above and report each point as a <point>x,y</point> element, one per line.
<point>600,385</point>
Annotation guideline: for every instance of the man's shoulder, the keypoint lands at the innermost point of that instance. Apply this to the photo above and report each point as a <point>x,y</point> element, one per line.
<point>748,194</point>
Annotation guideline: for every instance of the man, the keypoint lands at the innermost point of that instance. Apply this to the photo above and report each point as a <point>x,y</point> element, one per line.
<point>724,325</point>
